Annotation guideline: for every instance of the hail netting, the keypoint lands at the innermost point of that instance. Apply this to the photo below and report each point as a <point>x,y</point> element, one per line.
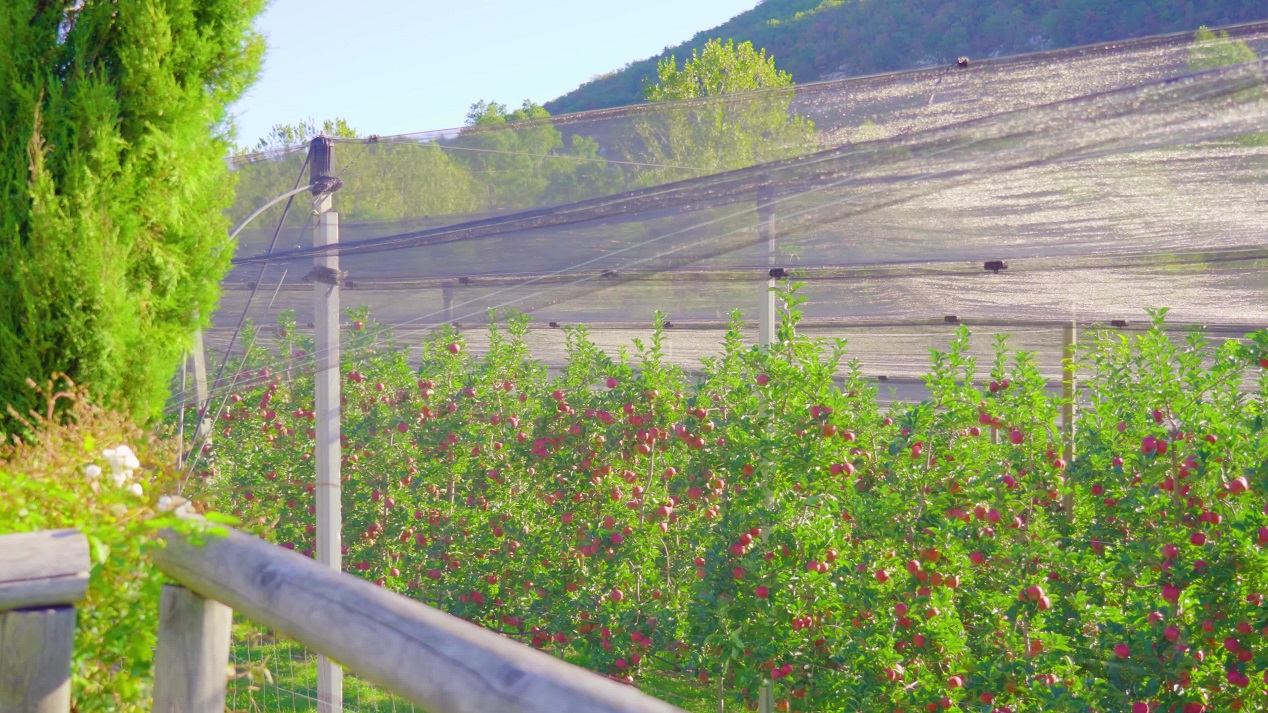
<point>1102,180</point>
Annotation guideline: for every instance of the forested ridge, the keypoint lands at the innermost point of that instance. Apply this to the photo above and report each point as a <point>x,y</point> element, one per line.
<point>817,39</point>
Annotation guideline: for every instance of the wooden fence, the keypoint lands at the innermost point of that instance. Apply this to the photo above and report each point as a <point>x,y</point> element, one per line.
<point>436,661</point>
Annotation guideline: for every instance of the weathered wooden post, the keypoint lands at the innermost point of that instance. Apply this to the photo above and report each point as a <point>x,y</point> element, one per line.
<point>192,660</point>
<point>42,575</point>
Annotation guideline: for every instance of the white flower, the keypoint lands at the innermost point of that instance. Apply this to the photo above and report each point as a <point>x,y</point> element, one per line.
<point>174,503</point>
<point>119,477</point>
<point>121,460</point>
<point>92,471</point>
<point>136,489</point>
<point>177,505</point>
<point>130,460</point>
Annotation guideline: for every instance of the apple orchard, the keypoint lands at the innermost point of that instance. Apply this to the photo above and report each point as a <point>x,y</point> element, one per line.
<point>770,521</point>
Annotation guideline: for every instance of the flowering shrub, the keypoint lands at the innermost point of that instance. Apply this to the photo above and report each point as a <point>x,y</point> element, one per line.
<point>771,524</point>
<point>54,478</point>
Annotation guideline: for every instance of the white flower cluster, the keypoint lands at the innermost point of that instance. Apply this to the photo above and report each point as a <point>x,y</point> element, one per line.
<point>123,462</point>
<point>178,506</point>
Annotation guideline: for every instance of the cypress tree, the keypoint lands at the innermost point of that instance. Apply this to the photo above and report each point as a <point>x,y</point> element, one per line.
<point>114,128</point>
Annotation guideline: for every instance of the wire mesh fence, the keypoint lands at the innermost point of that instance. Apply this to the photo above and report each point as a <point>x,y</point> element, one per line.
<point>274,674</point>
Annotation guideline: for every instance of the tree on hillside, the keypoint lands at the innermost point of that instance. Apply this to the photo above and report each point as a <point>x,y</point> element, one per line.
<point>1212,50</point>
<point>383,181</point>
<point>261,178</point>
<point>521,160</point>
<point>727,107</point>
<point>285,136</point>
<point>113,133</point>
<point>717,69</point>
<point>1215,49</point>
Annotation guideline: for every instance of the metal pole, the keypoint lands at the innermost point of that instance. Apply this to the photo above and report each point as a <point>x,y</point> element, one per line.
<point>1070,337</point>
<point>327,398</point>
<point>768,311</point>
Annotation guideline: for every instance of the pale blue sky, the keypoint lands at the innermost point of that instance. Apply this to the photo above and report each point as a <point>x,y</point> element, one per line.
<point>397,66</point>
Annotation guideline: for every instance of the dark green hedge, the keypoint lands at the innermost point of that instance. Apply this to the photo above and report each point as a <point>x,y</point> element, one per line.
<point>113,133</point>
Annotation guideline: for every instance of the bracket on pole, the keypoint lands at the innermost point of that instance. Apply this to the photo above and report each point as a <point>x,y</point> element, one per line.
<point>321,172</point>
<point>327,275</point>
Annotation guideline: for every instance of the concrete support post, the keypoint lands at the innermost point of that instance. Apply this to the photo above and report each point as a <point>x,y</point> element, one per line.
<point>327,402</point>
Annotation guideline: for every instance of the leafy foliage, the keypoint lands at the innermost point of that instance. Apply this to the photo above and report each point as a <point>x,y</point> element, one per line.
<point>813,39</point>
<point>713,136</point>
<point>113,133</point>
<point>1212,50</point>
<point>285,136</point>
<point>717,69</point>
<point>771,522</point>
<point>75,475</point>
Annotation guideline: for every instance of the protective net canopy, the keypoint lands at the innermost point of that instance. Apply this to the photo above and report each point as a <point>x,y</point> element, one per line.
<point>1015,194</point>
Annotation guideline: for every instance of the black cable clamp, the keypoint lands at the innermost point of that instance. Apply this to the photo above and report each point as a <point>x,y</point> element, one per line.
<point>995,266</point>
<point>951,319</point>
<point>325,185</point>
<point>328,276</point>
<point>1118,323</point>
<point>778,273</point>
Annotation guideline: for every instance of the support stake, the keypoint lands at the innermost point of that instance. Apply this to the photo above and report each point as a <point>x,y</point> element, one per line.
<point>200,383</point>
<point>768,310</point>
<point>1070,334</point>
<point>446,300</point>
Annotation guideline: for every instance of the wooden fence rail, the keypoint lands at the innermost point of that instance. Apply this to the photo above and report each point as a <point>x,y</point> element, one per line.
<point>436,661</point>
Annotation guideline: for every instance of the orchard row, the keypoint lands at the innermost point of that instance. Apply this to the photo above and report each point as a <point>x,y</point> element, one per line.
<point>771,523</point>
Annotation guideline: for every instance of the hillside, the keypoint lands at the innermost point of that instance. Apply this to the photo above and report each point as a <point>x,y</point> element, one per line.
<point>823,39</point>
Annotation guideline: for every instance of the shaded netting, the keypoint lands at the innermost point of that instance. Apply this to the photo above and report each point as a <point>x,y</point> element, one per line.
<point>1086,184</point>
